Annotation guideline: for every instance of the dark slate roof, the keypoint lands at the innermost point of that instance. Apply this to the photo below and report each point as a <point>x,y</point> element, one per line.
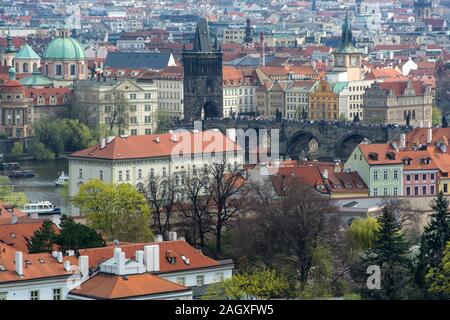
<point>201,40</point>
<point>141,60</point>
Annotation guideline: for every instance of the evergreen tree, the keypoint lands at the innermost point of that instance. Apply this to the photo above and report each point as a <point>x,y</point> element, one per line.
<point>444,121</point>
<point>390,253</point>
<point>434,238</point>
<point>43,239</point>
<point>76,236</point>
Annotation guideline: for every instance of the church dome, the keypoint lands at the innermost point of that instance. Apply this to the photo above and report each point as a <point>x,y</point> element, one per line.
<point>64,48</point>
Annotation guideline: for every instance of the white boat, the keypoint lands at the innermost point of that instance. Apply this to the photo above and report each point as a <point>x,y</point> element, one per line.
<point>62,180</point>
<point>42,207</point>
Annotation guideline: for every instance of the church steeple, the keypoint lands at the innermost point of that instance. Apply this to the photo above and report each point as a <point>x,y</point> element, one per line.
<point>347,37</point>
<point>248,32</point>
<point>9,44</point>
<point>201,40</point>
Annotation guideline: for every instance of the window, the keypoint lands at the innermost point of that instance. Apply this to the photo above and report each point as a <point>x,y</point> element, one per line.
<point>72,69</point>
<point>132,96</point>
<point>181,281</point>
<point>408,191</point>
<point>133,108</point>
<point>416,177</point>
<point>57,294</point>
<point>431,189</point>
<point>375,192</point>
<point>408,177</point>
<point>445,187</point>
<point>416,190</point>
<point>396,174</point>
<point>200,280</point>
<point>80,173</point>
<point>375,175</point>
<point>133,132</point>
<point>424,190</point>
<point>148,131</point>
<point>120,175</point>
<point>58,70</point>
<point>147,107</point>
<point>385,174</point>
<point>127,175</point>
<point>34,295</point>
<point>431,176</point>
<point>219,276</point>
<point>424,176</point>
<point>395,191</point>
<point>140,174</point>
<point>385,192</point>
<point>101,175</point>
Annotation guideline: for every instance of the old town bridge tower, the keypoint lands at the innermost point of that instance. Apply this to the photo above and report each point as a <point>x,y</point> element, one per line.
<point>203,97</point>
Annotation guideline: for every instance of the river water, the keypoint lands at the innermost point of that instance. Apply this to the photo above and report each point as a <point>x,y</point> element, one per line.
<point>42,186</point>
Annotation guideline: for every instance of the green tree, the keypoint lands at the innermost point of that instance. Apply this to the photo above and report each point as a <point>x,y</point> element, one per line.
<point>78,135</point>
<point>74,236</point>
<point>52,135</point>
<point>436,116</point>
<point>119,211</point>
<point>43,239</point>
<point>361,234</point>
<point>7,194</point>
<point>434,238</point>
<point>390,253</point>
<point>40,152</point>
<point>17,150</point>
<point>263,284</point>
<point>163,121</point>
<point>438,278</point>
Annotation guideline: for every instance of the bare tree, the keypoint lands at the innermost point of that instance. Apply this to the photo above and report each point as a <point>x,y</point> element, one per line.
<point>228,196</point>
<point>160,194</point>
<point>119,111</point>
<point>291,221</point>
<point>195,205</point>
<point>83,107</point>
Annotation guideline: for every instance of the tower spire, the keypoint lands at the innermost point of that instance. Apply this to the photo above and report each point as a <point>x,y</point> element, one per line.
<point>201,40</point>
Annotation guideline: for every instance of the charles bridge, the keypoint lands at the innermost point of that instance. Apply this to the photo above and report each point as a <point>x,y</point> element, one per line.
<point>315,139</point>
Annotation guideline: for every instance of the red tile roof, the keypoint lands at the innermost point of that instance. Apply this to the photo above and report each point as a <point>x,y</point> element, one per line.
<point>419,136</point>
<point>377,153</point>
<point>110,286</point>
<point>146,146</point>
<point>41,265</point>
<point>177,247</point>
<point>399,87</point>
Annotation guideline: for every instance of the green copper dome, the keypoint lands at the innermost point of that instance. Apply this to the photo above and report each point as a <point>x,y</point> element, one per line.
<point>65,48</point>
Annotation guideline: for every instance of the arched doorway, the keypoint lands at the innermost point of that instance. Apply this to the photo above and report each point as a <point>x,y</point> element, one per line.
<point>209,111</point>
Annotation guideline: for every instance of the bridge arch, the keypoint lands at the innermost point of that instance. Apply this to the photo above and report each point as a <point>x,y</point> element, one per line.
<point>346,145</point>
<point>302,144</point>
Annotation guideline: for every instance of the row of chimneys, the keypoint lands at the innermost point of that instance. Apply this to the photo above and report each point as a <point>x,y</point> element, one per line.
<point>83,263</point>
<point>34,215</point>
<point>403,138</point>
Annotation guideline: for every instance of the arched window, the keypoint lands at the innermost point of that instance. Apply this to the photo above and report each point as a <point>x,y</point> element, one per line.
<point>72,69</point>
<point>58,70</point>
<point>25,68</point>
<point>46,69</point>
<point>35,66</point>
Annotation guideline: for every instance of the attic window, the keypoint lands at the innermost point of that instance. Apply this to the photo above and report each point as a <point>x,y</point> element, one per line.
<point>373,156</point>
<point>390,155</point>
<point>41,261</point>
<point>13,235</point>
<point>185,260</point>
<point>171,257</point>
<point>426,160</point>
<point>407,161</point>
<point>348,186</point>
<point>2,268</point>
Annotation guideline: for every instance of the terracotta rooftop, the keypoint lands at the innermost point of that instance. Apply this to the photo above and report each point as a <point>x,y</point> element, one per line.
<point>110,286</point>
<point>147,146</point>
<point>380,153</point>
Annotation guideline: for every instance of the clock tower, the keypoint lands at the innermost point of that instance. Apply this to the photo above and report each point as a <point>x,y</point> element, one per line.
<point>347,58</point>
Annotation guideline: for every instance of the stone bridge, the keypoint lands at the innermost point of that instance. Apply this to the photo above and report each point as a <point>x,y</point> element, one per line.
<point>316,140</point>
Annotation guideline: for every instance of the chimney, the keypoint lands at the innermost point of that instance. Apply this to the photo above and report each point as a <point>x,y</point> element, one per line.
<point>151,258</point>
<point>13,218</point>
<point>182,238</point>
<point>102,143</point>
<point>110,139</point>
<point>174,137</point>
<point>19,263</point>
<point>59,257</point>
<point>139,256</point>
<point>157,140</point>
<point>54,254</point>
<point>158,238</point>
<point>67,265</point>
<point>429,135</point>
<point>83,265</point>
<point>172,235</point>
<point>402,141</point>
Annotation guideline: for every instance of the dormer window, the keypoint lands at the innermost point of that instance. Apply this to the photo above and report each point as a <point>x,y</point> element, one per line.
<point>407,161</point>
<point>171,257</point>
<point>373,156</point>
<point>426,161</point>
<point>390,155</point>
